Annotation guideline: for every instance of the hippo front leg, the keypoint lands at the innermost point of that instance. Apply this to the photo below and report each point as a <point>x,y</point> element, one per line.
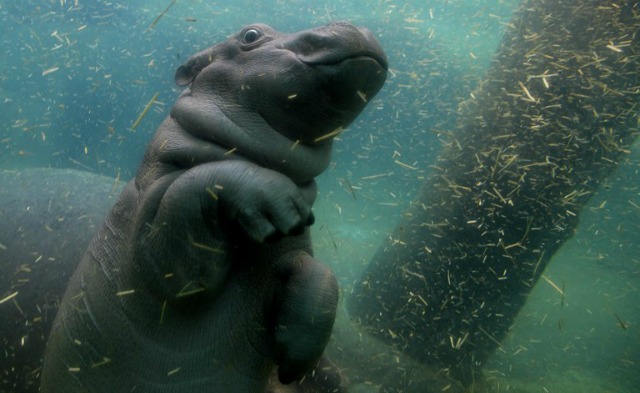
<point>190,232</point>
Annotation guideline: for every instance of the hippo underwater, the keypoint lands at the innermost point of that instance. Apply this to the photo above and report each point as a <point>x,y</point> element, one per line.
<point>202,276</point>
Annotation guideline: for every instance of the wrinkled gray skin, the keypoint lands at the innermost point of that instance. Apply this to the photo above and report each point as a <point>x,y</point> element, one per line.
<point>202,277</point>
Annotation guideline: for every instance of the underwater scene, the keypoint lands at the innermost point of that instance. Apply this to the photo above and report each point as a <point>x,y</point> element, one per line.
<point>478,196</point>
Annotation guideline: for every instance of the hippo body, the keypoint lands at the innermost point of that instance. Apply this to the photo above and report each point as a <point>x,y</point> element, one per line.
<point>202,276</point>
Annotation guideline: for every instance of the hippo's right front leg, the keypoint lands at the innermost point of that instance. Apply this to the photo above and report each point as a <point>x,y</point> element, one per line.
<point>185,235</point>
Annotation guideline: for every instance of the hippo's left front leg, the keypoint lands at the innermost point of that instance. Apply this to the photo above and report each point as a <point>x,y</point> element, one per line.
<point>188,226</point>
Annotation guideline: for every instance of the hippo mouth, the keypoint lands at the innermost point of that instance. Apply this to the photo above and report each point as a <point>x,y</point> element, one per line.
<point>333,59</point>
<point>342,75</point>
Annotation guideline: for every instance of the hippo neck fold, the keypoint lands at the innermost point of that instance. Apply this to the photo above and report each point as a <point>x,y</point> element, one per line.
<point>237,133</point>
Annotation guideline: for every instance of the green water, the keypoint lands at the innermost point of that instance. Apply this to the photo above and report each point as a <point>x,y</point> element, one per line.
<point>75,75</point>
<point>570,343</point>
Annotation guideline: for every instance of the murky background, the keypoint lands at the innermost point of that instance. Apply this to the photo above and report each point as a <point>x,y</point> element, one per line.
<point>75,75</point>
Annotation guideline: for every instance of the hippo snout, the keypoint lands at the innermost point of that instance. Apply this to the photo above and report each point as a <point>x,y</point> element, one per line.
<point>334,43</point>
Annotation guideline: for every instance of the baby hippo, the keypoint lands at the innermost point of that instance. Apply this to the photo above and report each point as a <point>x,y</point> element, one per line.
<point>202,278</point>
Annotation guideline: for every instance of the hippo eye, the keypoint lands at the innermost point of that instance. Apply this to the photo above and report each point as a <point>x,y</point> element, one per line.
<point>251,36</point>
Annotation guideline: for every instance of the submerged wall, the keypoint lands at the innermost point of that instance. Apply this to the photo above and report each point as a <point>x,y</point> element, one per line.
<point>557,112</point>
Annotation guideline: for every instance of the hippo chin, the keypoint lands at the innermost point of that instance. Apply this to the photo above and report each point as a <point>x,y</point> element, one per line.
<point>202,278</point>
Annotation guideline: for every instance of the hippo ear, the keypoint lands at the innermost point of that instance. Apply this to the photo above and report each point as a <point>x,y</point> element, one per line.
<point>186,73</point>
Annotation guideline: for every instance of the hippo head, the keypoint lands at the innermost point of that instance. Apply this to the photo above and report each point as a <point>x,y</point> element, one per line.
<point>304,85</point>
